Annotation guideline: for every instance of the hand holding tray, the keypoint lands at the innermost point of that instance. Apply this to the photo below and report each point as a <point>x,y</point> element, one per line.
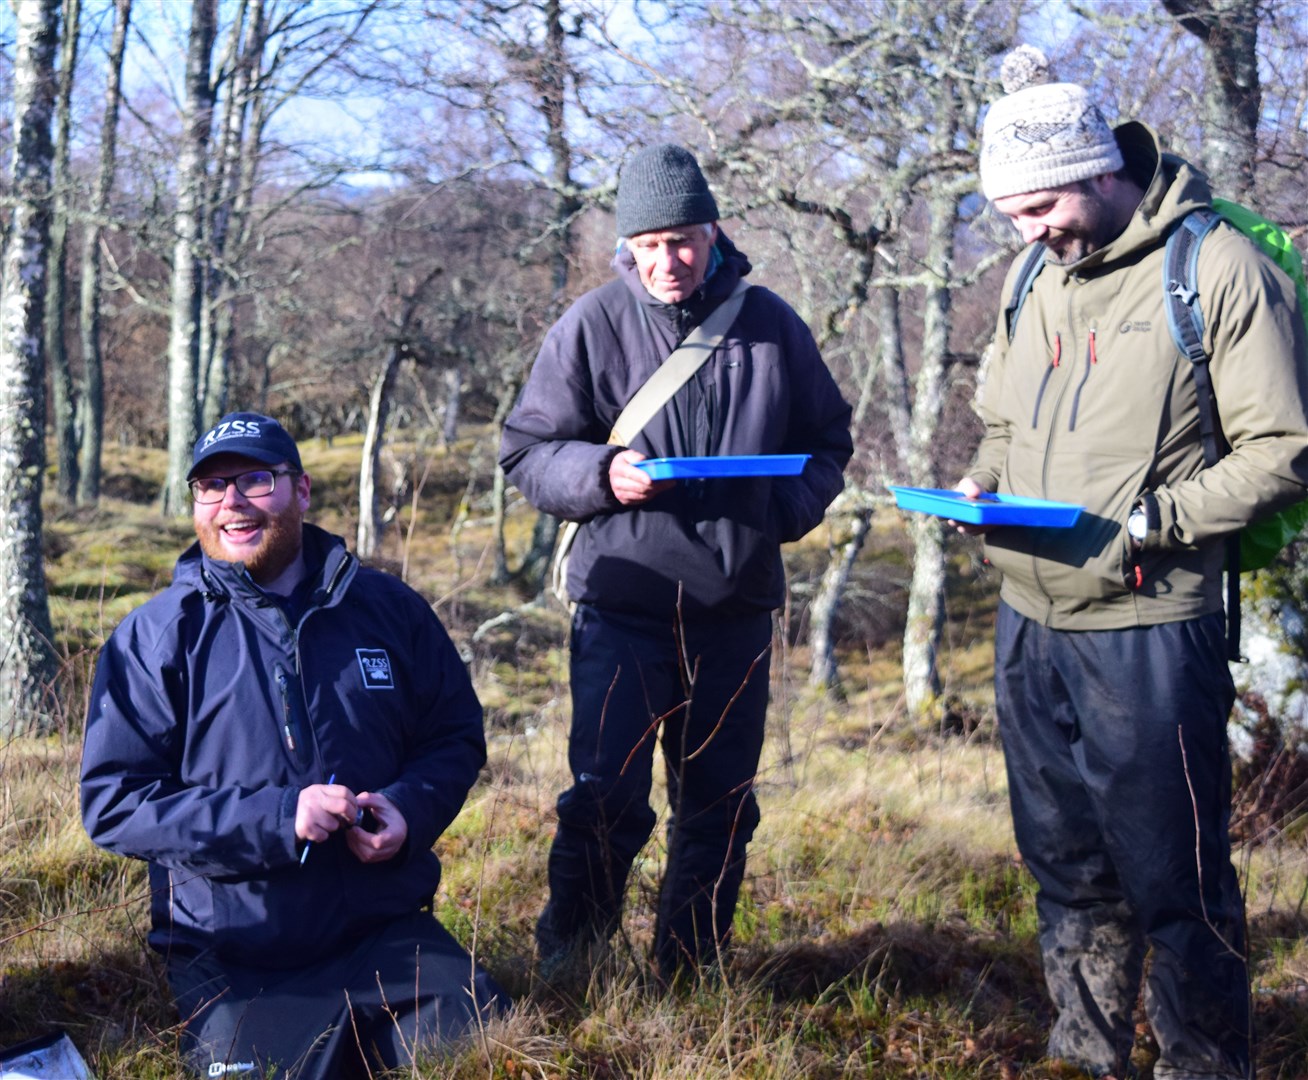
<point>988,509</point>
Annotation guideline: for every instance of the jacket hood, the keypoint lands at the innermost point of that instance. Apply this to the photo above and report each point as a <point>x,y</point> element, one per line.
<point>716,287</point>
<point>1173,188</point>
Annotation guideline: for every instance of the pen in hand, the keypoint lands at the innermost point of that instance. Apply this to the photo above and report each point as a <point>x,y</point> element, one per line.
<point>309,843</point>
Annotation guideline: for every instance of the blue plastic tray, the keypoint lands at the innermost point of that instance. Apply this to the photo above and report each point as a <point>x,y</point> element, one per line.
<point>703,468</point>
<point>987,510</point>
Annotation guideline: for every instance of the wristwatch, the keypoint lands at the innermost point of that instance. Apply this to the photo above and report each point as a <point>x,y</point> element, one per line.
<point>1137,525</point>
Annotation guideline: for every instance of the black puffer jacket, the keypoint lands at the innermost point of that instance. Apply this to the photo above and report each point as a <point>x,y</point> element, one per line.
<point>765,390</point>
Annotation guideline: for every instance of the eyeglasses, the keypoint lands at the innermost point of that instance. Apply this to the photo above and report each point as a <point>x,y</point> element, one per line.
<point>254,484</point>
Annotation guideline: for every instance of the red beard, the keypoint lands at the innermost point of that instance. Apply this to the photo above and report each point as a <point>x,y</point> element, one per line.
<point>276,549</point>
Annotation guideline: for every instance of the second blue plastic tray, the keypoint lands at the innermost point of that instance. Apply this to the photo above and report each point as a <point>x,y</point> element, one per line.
<point>987,510</point>
<point>703,468</point>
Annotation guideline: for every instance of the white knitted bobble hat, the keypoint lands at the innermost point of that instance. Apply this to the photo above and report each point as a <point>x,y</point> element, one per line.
<point>1042,134</point>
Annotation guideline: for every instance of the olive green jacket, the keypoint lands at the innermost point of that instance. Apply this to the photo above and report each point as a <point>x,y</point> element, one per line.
<point>1091,403</point>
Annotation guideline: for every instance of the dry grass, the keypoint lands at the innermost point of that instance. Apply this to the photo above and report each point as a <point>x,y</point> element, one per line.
<point>886,928</point>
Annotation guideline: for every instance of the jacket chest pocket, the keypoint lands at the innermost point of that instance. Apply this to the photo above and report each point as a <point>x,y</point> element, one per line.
<point>1128,390</point>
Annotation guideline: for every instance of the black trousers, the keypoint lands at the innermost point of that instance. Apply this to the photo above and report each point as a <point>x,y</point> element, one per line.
<point>706,692</point>
<point>1120,783</point>
<point>407,985</point>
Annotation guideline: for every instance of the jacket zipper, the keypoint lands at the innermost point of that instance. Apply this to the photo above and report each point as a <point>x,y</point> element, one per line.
<point>1092,358</point>
<point>1054,361</point>
<point>293,690</point>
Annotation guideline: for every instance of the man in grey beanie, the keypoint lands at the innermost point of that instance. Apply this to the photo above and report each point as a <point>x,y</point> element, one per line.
<point>1111,681</point>
<point>672,581</point>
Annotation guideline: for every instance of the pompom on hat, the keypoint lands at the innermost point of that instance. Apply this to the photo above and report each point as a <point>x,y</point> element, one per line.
<point>1042,134</point>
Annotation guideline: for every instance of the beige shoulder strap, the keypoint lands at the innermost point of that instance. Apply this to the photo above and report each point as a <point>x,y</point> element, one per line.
<point>673,373</point>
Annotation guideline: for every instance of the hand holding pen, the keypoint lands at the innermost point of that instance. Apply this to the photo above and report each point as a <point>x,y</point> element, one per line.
<point>322,809</point>
<point>377,830</point>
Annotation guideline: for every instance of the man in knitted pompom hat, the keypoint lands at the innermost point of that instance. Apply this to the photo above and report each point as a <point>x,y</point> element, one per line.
<point>1111,680</point>
<point>672,581</point>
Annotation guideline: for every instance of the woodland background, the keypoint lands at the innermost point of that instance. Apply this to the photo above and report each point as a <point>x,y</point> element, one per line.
<point>361,217</point>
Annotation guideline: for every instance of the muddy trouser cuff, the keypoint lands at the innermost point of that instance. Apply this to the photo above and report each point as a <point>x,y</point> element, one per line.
<point>1093,960</point>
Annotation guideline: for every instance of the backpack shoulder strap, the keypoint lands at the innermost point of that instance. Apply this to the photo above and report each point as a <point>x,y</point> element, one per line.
<point>1032,264</point>
<point>1185,318</point>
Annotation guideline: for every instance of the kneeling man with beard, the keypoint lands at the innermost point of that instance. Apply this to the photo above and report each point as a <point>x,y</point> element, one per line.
<point>282,735</point>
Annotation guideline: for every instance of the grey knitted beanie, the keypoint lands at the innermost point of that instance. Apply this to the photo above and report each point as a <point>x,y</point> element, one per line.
<point>661,188</point>
<point>1042,134</point>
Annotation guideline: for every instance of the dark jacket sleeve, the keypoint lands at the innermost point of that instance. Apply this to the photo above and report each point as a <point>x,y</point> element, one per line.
<point>818,425</point>
<point>133,799</point>
<point>554,448</point>
<point>447,743</point>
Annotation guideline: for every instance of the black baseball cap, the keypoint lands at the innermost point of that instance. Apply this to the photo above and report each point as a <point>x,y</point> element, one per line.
<point>251,435</point>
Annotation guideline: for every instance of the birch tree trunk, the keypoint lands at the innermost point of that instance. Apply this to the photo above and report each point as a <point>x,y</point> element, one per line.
<point>926,591</point>
<point>61,376</point>
<point>368,538</point>
<point>823,674</point>
<point>187,276</point>
<point>238,156</point>
<point>889,370</point>
<point>1232,92</point>
<point>91,399</point>
<point>452,378</point>
<point>27,661</point>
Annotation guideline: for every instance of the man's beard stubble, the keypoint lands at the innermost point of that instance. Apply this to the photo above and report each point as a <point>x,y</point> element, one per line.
<point>277,548</point>
<point>1095,230</point>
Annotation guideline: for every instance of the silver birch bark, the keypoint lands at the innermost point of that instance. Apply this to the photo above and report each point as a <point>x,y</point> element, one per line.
<point>368,538</point>
<point>1231,98</point>
<point>187,275</point>
<point>238,157</point>
<point>61,377</point>
<point>27,661</point>
<point>91,399</point>
<point>823,673</point>
<point>926,590</point>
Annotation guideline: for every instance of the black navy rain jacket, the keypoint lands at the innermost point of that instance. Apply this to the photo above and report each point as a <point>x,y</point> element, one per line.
<point>211,710</point>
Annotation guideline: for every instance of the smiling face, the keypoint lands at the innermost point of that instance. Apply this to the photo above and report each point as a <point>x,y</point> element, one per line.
<point>264,532</point>
<point>672,262</point>
<point>1072,221</point>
